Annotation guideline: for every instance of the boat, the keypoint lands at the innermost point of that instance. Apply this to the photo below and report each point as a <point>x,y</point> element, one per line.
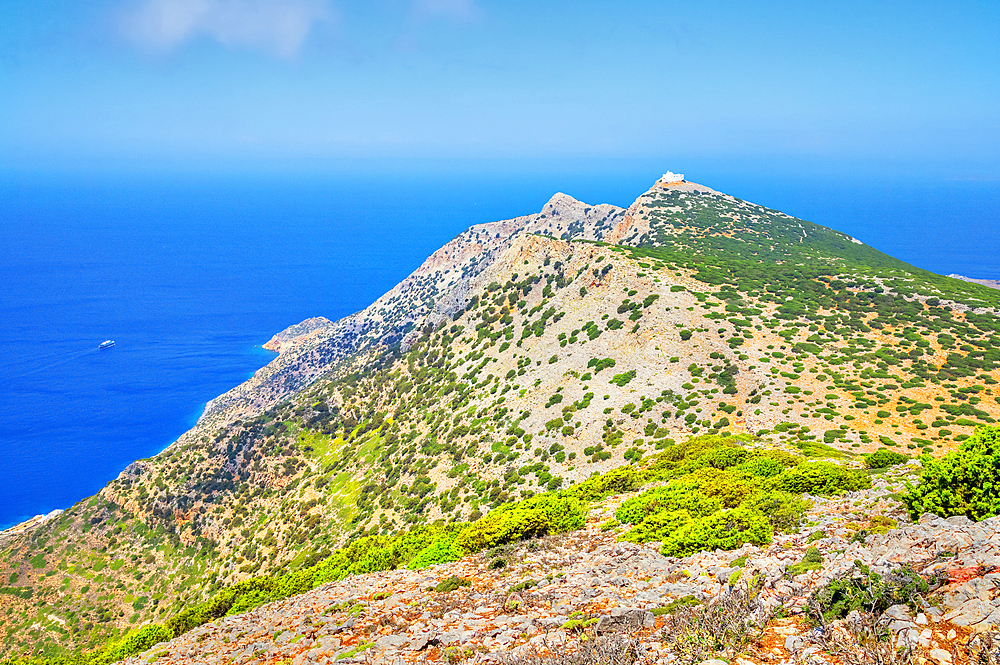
<point>107,344</point>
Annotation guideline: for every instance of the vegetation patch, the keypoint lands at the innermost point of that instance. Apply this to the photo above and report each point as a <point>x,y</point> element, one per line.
<point>963,482</point>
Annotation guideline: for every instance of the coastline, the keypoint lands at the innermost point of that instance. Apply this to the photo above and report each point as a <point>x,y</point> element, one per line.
<point>22,525</point>
<point>28,524</point>
<point>991,283</point>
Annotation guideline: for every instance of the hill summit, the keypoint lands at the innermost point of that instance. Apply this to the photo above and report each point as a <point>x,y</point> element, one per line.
<point>520,362</point>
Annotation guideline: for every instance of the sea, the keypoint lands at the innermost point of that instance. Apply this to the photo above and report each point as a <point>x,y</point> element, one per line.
<point>190,273</point>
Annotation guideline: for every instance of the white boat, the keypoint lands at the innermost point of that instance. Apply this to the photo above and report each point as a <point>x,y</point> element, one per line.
<point>107,344</point>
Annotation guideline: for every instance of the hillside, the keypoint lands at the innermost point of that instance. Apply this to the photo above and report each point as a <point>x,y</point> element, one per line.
<point>521,358</point>
<point>541,596</point>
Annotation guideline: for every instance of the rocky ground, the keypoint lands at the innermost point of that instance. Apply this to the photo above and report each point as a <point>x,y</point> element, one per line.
<point>556,595</point>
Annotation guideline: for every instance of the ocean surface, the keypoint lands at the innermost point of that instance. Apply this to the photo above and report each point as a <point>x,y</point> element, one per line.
<point>191,274</point>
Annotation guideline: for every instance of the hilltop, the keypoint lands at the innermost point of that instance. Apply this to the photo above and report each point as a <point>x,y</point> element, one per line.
<point>520,359</point>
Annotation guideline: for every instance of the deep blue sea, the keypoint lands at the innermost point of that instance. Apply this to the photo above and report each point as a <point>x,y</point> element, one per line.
<point>191,274</point>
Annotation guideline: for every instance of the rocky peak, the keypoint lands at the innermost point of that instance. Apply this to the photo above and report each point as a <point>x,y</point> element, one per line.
<point>561,204</point>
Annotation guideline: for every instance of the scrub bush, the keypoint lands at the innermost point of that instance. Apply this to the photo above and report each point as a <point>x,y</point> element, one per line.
<point>725,530</point>
<point>502,527</point>
<point>137,642</point>
<point>823,478</point>
<point>442,550</point>
<point>963,482</point>
<point>882,458</point>
<point>538,516</point>
<point>657,527</point>
<point>784,510</point>
<point>811,560</point>
<point>452,583</point>
<point>617,481</point>
<point>762,467</point>
<point>666,499</point>
<point>860,588</point>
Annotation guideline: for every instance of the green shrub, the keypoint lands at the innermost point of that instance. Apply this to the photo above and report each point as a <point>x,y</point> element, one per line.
<point>882,458</point>
<point>784,510</point>
<point>821,478</point>
<point>137,642</point>
<point>686,457</point>
<point>617,481</point>
<point>502,527</point>
<point>657,527</point>
<point>816,535</point>
<point>811,560</point>
<point>565,513</point>
<point>762,467</point>
<point>442,550</point>
<point>621,380</point>
<point>725,530</point>
<point>667,499</point>
<point>864,590</point>
<point>538,516</point>
<point>674,605</point>
<point>730,486</point>
<point>963,482</point>
<point>723,458</point>
<point>452,583</point>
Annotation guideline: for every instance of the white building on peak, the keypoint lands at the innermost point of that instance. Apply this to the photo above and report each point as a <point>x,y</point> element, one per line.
<point>670,176</point>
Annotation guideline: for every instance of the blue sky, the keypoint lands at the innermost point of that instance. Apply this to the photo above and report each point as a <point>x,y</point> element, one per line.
<point>893,87</point>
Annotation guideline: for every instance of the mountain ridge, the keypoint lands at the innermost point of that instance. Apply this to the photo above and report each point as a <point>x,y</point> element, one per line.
<point>520,358</point>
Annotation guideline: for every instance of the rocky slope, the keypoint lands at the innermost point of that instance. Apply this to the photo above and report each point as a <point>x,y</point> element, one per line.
<point>550,595</point>
<point>523,356</point>
<point>436,290</point>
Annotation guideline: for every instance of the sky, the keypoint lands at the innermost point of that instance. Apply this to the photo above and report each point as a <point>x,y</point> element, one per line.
<point>888,87</point>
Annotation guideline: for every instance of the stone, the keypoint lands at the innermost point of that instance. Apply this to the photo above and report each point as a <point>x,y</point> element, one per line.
<point>391,641</point>
<point>624,619</point>
<point>347,625</point>
<point>513,602</point>
<point>419,643</point>
<point>327,643</point>
<point>794,643</point>
<point>899,612</point>
<point>940,655</point>
<point>970,612</point>
<point>451,637</point>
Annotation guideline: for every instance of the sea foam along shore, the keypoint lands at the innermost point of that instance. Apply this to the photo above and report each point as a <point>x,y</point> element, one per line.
<point>992,283</point>
<point>28,524</point>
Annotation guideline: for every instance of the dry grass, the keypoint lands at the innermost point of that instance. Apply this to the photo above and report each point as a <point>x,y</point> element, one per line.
<point>862,639</point>
<point>722,628</point>
<point>601,650</point>
<point>982,650</point>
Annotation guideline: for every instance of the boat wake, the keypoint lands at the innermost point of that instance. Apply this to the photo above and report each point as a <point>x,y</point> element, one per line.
<point>57,360</point>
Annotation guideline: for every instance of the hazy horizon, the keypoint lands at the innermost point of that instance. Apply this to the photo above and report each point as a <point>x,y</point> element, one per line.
<point>320,86</point>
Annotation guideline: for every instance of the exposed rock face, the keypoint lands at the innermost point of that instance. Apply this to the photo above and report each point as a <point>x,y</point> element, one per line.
<point>298,334</point>
<point>431,294</point>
